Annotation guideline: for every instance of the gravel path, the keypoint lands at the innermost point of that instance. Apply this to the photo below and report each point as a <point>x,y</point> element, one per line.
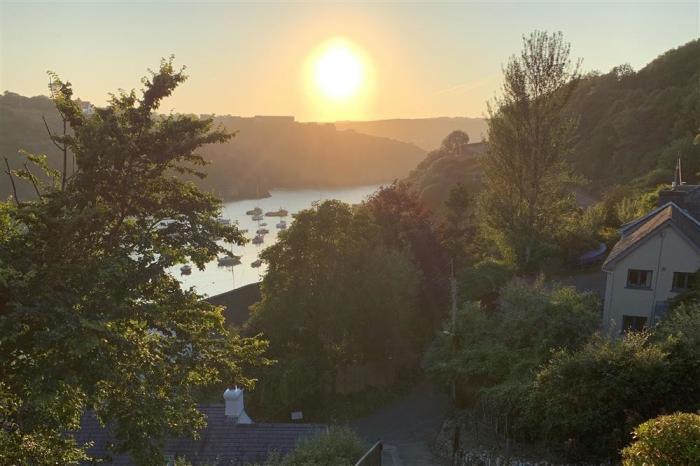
<point>407,427</point>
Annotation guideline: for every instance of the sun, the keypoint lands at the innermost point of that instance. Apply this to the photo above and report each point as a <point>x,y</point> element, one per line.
<point>338,70</point>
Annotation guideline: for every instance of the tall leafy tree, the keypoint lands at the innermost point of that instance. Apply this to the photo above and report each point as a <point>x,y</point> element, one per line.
<point>334,296</point>
<point>530,135</point>
<point>407,225</point>
<point>89,317</point>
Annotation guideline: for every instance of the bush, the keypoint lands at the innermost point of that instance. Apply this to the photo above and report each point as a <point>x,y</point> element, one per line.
<point>665,441</point>
<point>337,447</point>
<point>482,281</point>
<point>586,402</point>
<point>679,335</point>
<point>495,354</point>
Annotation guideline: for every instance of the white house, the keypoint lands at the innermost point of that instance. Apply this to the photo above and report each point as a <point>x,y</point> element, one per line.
<point>653,261</point>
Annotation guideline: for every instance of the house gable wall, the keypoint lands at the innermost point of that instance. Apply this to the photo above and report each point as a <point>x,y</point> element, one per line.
<point>664,253</point>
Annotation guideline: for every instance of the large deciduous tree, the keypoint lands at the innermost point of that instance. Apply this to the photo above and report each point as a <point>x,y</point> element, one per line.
<point>408,226</point>
<point>530,135</point>
<point>334,296</point>
<point>90,320</point>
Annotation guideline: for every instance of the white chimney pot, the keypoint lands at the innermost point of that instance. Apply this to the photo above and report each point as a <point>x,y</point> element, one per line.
<point>234,406</point>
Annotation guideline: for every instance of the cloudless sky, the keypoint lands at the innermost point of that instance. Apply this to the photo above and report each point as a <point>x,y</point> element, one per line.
<point>245,58</point>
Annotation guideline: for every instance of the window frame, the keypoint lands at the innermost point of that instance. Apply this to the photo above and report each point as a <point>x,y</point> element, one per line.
<point>649,278</point>
<point>633,328</point>
<point>688,278</point>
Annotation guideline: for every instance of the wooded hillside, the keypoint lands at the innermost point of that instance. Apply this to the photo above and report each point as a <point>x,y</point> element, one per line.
<point>267,152</point>
<point>634,125</point>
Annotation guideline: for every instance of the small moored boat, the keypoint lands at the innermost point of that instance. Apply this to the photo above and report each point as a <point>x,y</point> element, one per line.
<point>229,260</point>
<point>256,263</point>
<point>282,225</point>
<point>277,213</point>
<point>258,239</point>
<point>186,269</point>
<point>255,211</point>
<point>262,231</point>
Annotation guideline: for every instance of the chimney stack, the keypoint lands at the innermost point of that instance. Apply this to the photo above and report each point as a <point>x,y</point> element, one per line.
<point>678,176</point>
<point>235,406</point>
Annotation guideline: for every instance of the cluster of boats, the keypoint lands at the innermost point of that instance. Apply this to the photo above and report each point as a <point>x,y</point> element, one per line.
<point>257,216</point>
<point>230,260</point>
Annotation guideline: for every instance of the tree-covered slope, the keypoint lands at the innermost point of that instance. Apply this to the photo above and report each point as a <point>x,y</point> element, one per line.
<point>633,125</point>
<point>267,152</point>
<point>456,161</point>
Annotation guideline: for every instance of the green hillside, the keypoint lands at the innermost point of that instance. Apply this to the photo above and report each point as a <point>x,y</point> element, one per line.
<point>444,168</point>
<point>633,125</point>
<point>632,128</point>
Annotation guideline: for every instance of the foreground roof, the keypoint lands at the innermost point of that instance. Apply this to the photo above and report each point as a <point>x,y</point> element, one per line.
<point>637,232</point>
<point>221,443</point>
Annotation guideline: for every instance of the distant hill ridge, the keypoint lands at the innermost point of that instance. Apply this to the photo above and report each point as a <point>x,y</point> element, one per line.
<point>426,133</point>
<point>268,152</point>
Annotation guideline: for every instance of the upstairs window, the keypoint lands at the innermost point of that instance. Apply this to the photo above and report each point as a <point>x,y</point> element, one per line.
<point>633,323</point>
<point>638,278</point>
<point>682,280</point>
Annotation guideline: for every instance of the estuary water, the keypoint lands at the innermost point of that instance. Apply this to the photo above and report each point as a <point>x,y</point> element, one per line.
<point>215,279</point>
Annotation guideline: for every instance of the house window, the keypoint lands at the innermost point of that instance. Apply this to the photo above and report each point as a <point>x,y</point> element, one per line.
<point>638,278</point>
<point>681,280</point>
<point>633,323</point>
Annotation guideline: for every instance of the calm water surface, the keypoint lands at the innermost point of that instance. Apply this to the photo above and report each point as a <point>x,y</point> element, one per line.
<point>215,279</point>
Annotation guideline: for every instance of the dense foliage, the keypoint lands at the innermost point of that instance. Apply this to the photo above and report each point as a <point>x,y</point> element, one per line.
<point>406,225</point>
<point>590,400</point>
<point>633,125</point>
<point>346,287</point>
<point>89,317</point>
<point>534,361</point>
<point>333,296</point>
<point>493,354</point>
<point>337,447</point>
<point>665,441</point>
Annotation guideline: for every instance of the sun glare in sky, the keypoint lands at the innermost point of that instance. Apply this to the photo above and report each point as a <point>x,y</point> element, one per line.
<point>338,71</point>
<point>339,79</point>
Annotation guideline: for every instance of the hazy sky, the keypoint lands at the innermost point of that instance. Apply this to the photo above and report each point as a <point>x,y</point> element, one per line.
<point>421,59</point>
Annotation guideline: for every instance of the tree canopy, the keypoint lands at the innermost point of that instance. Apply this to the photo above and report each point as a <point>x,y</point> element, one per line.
<point>89,318</point>
<point>527,192</point>
<point>334,296</point>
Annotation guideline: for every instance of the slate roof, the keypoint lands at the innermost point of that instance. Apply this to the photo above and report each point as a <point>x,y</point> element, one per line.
<point>637,232</point>
<point>237,303</point>
<point>221,443</point>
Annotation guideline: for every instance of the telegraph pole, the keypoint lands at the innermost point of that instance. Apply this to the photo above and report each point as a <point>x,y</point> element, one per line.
<point>453,312</point>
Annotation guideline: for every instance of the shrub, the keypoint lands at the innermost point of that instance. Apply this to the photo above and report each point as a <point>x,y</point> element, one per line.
<point>588,401</point>
<point>337,447</point>
<point>665,441</point>
<point>679,335</point>
<point>495,353</point>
